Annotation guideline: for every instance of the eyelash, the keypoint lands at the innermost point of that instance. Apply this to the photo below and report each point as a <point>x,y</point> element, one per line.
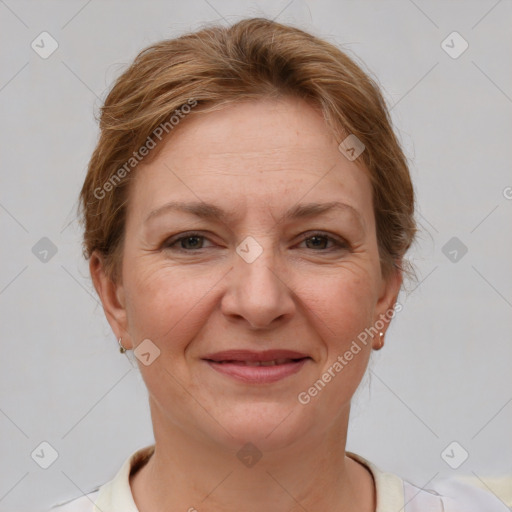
<point>339,244</point>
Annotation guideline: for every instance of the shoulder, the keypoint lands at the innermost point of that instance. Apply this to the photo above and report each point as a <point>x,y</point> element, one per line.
<point>114,495</point>
<point>450,495</point>
<point>459,496</point>
<point>83,504</point>
<point>442,495</point>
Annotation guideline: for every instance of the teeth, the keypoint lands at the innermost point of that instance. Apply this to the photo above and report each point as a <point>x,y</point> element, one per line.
<point>263,363</point>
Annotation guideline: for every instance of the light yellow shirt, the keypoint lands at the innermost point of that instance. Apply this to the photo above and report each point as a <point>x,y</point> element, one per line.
<point>393,493</point>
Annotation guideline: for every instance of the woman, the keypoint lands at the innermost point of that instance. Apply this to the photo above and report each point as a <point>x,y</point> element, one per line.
<point>247,211</point>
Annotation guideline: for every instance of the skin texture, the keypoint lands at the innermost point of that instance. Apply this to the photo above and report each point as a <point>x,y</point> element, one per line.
<point>257,159</point>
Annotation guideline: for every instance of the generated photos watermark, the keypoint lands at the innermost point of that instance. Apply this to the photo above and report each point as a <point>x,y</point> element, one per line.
<point>158,133</point>
<point>304,397</point>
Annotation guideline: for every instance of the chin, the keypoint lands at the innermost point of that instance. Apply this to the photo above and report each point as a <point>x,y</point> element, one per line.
<point>267,426</point>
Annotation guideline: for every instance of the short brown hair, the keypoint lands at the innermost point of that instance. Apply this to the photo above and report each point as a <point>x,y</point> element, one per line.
<point>216,66</point>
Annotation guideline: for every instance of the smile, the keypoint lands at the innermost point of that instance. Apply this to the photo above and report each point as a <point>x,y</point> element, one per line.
<point>258,372</point>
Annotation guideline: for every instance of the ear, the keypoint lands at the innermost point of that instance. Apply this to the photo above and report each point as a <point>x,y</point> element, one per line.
<point>385,307</point>
<point>112,297</point>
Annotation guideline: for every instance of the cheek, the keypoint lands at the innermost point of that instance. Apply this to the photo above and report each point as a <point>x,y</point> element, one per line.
<point>163,302</point>
<point>341,308</point>
<point>348,345</point>
<point>344,300</point>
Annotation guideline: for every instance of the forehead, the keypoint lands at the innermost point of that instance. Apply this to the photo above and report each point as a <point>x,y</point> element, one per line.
<point>262,154</point>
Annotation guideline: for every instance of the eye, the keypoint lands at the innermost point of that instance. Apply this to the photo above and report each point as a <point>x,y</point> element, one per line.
<point>189,242</point>
<point>318,241</point>
<point>193,242</point>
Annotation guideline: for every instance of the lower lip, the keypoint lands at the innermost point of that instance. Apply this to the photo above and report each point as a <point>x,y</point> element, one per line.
<point>258,374</point>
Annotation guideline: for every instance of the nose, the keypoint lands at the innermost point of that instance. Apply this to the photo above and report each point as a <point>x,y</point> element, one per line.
<point>258,292</point>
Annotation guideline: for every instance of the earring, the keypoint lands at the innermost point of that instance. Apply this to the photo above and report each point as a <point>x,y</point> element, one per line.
<point>121,348</point>
<point>381,340</point>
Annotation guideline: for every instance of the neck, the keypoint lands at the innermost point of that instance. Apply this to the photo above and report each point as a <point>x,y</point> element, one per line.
<point>190,473</point>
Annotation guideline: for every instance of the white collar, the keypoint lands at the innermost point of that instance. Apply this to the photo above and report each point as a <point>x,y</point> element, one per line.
<point>117,494</point>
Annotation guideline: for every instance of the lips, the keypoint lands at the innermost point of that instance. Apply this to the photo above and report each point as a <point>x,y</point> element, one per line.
<point>253,358</point>
<point>257,367</point>
<point>273,362</point>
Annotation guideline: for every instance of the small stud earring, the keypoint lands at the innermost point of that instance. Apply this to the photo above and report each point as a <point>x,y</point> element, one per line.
<point>121,348</point>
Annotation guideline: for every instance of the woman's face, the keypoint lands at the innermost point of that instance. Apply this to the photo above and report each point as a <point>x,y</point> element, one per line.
<point>259,276</point>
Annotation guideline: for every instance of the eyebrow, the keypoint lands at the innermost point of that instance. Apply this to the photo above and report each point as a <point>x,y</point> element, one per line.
<point>209,211</point>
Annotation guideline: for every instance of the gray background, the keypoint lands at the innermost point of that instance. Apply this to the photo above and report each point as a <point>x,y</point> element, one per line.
<point>444,374</point>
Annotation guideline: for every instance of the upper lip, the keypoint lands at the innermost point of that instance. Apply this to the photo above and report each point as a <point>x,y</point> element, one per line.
<point>249,355</point>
